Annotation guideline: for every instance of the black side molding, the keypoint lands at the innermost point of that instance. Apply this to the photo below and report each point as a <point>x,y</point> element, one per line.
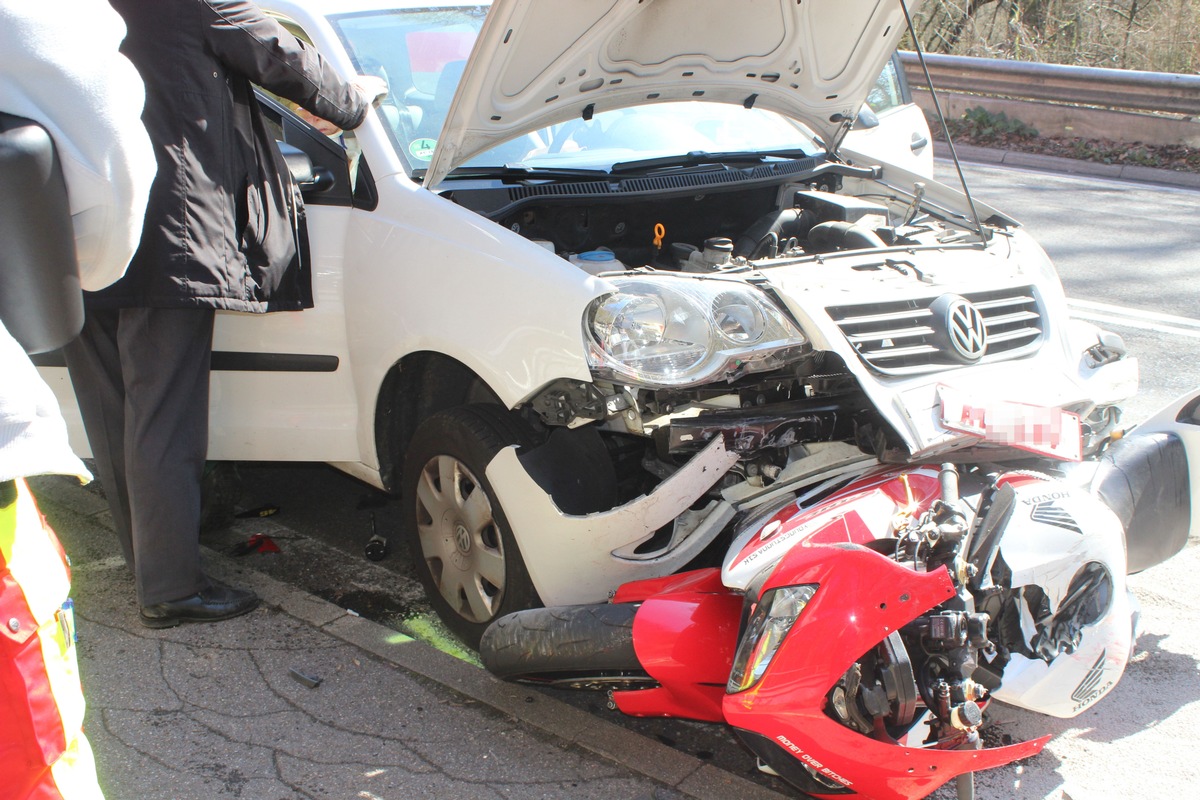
<point>227,361</point>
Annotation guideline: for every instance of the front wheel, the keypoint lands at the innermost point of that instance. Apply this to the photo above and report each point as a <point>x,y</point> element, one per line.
<point>569,647</point>
<point>461,544</point>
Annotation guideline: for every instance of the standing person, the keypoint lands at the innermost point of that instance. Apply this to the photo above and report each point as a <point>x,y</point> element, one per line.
<point>43,752</point>
<point>217,235</point>
<point>61,69</point>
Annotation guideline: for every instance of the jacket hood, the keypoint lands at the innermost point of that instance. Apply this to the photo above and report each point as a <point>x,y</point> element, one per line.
<point>541,62</point>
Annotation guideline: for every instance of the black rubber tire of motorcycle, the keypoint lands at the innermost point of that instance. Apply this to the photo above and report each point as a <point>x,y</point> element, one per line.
<point>546,644</point>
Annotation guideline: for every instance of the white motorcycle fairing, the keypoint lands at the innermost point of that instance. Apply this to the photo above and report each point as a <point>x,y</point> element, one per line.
<point>1068,625</point>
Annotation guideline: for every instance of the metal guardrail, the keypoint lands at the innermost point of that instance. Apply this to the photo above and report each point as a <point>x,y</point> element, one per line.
<point>1094,86</point>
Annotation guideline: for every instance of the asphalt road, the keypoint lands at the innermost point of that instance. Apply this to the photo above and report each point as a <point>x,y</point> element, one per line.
<point>1127,254</point>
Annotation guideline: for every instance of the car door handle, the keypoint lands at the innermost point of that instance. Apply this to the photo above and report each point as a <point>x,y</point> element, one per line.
<point>918,142</point>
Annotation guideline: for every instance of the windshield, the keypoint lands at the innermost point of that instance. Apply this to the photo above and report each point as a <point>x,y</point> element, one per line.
<point>421,54</point>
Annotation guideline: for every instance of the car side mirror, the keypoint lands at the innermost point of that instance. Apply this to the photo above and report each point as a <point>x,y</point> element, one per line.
<point>308,177</point>
<point>866,118</point>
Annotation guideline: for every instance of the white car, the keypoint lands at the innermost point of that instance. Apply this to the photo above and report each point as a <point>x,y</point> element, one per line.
<point>599,278</point>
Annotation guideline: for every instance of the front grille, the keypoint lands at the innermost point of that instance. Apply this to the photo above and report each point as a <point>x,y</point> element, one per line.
<point>902,337</point>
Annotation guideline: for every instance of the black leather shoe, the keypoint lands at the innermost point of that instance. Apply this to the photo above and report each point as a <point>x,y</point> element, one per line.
<point>217,602</point>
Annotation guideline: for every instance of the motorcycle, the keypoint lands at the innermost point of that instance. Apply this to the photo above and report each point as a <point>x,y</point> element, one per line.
<point>858,630</point>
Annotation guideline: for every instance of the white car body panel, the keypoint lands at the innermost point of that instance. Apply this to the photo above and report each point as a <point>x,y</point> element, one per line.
<point>276,424</point>
<point>892,140</point>
<point>474,306</point>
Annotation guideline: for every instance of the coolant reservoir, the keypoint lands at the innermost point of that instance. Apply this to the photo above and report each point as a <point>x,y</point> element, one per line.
<point>597,261</point>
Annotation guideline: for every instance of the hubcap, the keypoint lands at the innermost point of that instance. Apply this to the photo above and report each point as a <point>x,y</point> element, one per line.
<point>460,539</point>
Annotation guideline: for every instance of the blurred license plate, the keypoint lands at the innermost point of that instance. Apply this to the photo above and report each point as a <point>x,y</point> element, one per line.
<point>1038,429</point>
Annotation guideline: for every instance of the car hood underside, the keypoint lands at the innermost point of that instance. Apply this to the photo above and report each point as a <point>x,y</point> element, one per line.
<point>541,62</point>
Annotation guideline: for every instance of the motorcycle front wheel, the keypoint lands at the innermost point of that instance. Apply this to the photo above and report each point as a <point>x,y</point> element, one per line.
<point>567,647</point>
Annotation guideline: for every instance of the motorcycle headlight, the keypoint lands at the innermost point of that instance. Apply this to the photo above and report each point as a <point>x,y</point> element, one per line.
<point>659,333</point>
<point>776,613</point>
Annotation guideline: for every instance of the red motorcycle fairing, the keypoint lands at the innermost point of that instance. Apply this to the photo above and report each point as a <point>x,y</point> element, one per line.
<point>862,598</point>
<point>684,634</point>
<point>860,512</point>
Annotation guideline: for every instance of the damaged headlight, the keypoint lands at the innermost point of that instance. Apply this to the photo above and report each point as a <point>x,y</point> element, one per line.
<point>684,332</point>
<point>776,613</point>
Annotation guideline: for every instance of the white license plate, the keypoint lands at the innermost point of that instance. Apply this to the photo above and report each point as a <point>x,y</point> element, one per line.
<point>1037,429</point>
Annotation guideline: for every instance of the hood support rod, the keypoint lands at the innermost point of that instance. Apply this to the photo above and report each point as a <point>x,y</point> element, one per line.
<point>983,237</point>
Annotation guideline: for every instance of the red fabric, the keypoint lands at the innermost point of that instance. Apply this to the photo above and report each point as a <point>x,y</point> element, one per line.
<point>31,734</point>
<point>44,789</point>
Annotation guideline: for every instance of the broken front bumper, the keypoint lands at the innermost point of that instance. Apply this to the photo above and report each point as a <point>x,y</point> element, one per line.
<point>576,559</point>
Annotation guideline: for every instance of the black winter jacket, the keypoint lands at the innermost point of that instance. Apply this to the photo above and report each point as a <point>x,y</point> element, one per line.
<point>217,230</point>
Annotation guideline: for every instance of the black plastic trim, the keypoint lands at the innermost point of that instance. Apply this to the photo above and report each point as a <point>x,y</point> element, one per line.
<point>226,361</point>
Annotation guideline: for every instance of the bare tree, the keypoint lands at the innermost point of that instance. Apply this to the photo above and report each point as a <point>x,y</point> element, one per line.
<point>1133,34</point>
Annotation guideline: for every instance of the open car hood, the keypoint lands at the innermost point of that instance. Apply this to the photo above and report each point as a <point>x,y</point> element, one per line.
<point>541,62</point>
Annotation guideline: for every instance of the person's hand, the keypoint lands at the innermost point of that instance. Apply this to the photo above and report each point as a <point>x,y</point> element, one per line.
<point>372,87</point>
<point>323,125</point>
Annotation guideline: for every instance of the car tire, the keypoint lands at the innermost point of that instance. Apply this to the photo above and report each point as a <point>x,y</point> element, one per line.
<point>461,544</point>
<point>570,647</point>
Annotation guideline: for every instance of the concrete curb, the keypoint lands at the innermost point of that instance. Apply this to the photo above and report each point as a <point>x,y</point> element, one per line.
<point>685,773</point>
<point>1070,166</point>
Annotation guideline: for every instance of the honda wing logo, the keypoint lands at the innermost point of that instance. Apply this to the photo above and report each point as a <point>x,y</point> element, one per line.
<point>1051,513</point>
<point>1089,689</point>
<point>967,330</point>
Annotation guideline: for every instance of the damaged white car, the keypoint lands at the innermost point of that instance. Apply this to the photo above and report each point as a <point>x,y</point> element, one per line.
<point>600,278</point>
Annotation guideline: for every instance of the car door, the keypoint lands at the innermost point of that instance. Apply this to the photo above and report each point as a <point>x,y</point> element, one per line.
<point>282,384</point>
<point>891,127</point>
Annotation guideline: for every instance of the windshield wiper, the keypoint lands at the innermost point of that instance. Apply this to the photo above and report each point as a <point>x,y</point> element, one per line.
<point>698,158</point>
<point>520,172</point>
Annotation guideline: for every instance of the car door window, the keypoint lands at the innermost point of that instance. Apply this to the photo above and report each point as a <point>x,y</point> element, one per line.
<point>890,89</point>
<point>335,154</point>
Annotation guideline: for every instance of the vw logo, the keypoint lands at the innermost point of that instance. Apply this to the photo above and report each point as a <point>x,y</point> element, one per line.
<point>963,326</point>
<point>462,538</point>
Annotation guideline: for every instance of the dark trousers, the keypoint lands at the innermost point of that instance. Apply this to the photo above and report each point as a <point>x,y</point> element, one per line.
<point>141,377</point>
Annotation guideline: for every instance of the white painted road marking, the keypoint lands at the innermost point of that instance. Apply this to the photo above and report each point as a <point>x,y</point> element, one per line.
<point>1134,318</point>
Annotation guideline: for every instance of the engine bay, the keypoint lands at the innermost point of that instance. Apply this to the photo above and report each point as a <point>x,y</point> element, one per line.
<point>709,223</point>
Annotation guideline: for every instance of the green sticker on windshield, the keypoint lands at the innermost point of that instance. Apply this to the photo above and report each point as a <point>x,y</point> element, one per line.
<point>422,148</point>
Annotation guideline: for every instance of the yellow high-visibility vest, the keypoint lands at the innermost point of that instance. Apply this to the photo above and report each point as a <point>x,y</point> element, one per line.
<point>43,752</point>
